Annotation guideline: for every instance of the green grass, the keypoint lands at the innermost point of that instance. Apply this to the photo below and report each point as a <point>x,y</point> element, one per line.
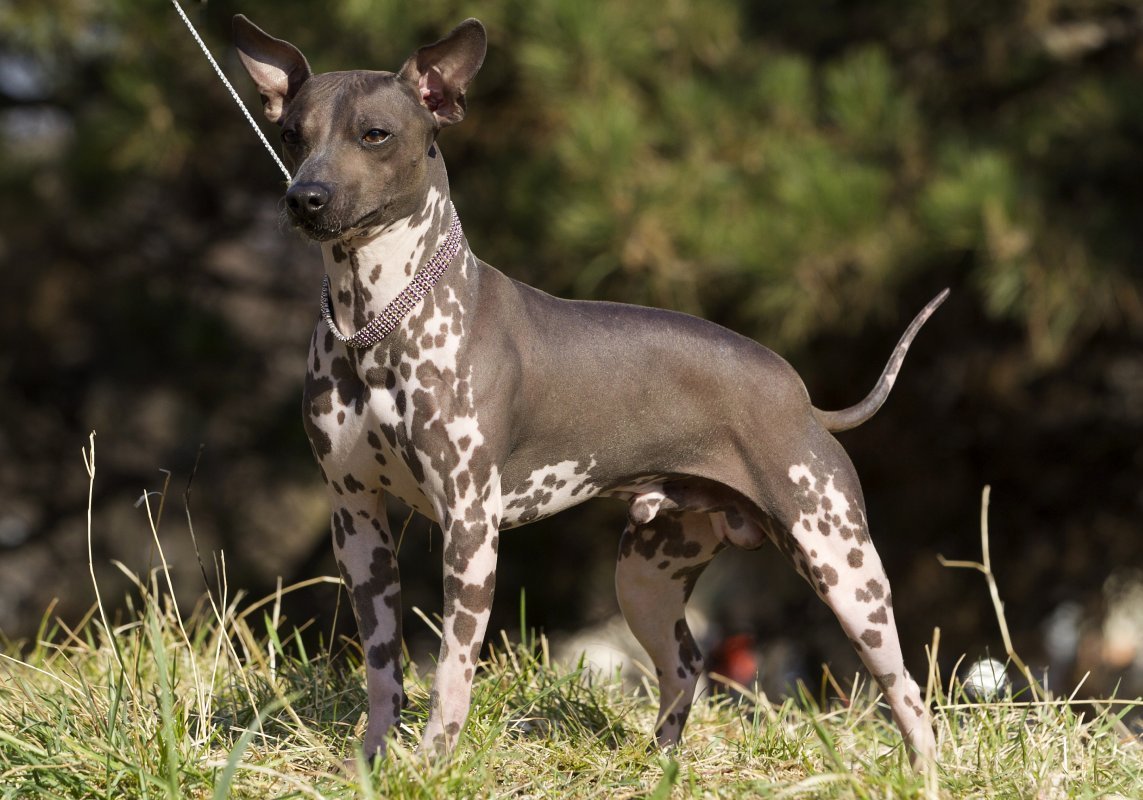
<point>228,702</point>
<point>220,705</point>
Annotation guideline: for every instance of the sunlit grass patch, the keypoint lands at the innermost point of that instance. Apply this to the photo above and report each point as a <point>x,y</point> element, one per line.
<point>225,706</point>
<point>229,701</point>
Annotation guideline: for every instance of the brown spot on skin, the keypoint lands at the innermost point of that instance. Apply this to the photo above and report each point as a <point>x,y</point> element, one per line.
<point>342,528</point>
<point>383,577</point>
<point>827,576</point>
<point>390,435</point>
<point>871,638</point>
<point>875,588</point>
<point>879,616</point>
<point>887,680</point>
<point>386,653</point>
<point>689,575</point>
<point>663,534</point>
<point>476,597</point>
<point>674,722</point>
<point>317,399</point>
<point>855,558</point>
<point>464,626</point>
<point>352,485</point>
<point>350,390</point>
<point>453,728</point>
<point>689,654</point>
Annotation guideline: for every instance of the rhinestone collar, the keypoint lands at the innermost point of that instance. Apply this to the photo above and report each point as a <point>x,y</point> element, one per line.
<point>391,316</point>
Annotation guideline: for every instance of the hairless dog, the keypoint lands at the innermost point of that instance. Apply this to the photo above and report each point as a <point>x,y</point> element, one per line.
<point>484,404</point>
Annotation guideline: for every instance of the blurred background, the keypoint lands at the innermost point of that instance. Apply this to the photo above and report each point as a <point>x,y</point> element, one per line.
<point>807,173</point>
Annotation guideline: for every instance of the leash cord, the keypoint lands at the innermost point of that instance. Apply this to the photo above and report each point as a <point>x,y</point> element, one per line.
<point>234,94</point>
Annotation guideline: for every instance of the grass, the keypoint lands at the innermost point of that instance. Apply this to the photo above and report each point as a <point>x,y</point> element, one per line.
<point>226,703</point>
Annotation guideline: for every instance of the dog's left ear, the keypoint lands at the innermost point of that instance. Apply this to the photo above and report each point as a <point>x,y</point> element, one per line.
<point>442,71</point>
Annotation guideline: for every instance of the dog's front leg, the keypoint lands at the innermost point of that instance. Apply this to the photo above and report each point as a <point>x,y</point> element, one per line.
<point>471,541</point>
<point>367,558</point>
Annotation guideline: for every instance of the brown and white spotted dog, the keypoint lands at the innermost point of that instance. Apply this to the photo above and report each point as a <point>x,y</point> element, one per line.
<point>485,404</point>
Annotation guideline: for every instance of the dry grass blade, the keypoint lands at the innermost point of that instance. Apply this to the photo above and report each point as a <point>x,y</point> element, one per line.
<point>985,568</point>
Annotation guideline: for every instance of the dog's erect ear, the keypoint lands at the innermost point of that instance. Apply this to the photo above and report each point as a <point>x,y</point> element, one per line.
<point>277,67</point>
<point>441,72</point>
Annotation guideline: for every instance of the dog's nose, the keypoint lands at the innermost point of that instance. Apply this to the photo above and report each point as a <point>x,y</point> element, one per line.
<point>307,200</point>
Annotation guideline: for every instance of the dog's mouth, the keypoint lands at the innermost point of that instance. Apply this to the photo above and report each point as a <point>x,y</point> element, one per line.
<point>330,229</point>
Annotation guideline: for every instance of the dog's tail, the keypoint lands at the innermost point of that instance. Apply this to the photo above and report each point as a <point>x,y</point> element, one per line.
<point>856,415</point>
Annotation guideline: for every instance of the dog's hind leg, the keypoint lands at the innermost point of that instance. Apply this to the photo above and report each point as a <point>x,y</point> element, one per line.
<point>826,536</point>
<point>659,562</point>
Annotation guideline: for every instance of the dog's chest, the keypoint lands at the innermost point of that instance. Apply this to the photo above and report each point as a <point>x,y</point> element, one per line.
<point>397,418</point>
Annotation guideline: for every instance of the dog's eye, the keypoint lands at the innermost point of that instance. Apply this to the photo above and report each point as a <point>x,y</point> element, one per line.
<point>291,136</point>
<point>375,136</point>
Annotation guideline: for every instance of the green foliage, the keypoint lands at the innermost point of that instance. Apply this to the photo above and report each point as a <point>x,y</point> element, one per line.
<point>674,153</point>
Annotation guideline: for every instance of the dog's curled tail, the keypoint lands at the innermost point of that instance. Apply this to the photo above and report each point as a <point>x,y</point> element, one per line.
<point>856,415</point>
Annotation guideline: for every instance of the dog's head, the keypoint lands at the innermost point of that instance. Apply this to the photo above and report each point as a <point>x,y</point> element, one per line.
<point>359,143</point>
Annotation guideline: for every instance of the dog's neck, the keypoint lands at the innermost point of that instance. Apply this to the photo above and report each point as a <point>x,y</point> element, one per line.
<point>368,270</point>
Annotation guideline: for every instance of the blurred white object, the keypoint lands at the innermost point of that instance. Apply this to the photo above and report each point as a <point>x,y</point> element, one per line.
<point>609,648</point>
<point>985,679</point>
